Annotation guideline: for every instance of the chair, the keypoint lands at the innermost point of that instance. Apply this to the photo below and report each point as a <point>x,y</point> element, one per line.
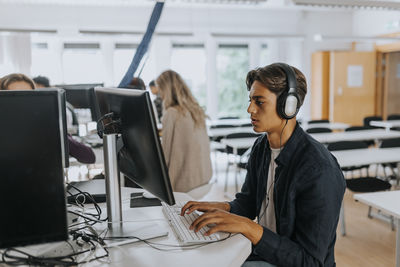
<point>392,117</point>
<point>362,184</point>
<point>387,143</point>
<point>240,153</point>
<point>319,130</point>
<point>347,145</point>
<point>361,128</point>
<point>371,118</point>
<point>318,121</point>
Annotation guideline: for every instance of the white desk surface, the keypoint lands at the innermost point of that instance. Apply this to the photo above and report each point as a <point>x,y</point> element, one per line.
<point>387,201</point>
<point>230,252</point>
<point>386,124</point>
<point>355,157</point>
<point>374,134</point>
<point>236,122</point>
<point>225,131</point>
<point>330,125</point>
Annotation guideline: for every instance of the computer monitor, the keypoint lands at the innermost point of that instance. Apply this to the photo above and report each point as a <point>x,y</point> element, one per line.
<point>32,194</point>
<point>141,157</point>
<point>63,117</point>
<point>81,96</point>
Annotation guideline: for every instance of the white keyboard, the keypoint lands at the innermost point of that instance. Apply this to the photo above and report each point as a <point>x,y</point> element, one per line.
<point>180,225</point>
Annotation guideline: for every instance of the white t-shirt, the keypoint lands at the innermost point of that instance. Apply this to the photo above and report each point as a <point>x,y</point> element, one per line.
<point>267,211</point>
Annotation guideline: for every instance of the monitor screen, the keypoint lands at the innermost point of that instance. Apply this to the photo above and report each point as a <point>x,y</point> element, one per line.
<point>81,96</point>
<point>32,195</point>
<point>141,157</point>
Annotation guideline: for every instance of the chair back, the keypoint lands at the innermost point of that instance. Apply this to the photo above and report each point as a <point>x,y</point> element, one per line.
<point>359,128</point>
<point>346,145</point>
<point>392,117</point>
<point>318,121</point>
<point>394,142</point>
<point>371,118</point>
<point>319,130</point>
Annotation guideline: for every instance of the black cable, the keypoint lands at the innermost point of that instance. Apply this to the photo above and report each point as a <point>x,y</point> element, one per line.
<point>273,184</point>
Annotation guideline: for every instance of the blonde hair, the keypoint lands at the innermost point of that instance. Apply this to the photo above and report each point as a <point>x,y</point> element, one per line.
<point>176,93</point>
<point>15,77</point>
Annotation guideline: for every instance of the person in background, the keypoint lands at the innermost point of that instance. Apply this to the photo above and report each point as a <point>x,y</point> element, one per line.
<point>137,83</point>
<point>184,135</point>
<point>18,81</point>
<point>294,185</point>
<point>41,82</point>
<point>157,101</point>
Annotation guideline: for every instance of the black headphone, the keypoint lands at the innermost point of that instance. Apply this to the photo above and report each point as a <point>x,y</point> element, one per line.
<point>288,103</point>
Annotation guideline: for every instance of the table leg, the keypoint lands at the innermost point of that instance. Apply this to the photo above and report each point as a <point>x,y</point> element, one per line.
<point>398,242</point>
<point>341,218</point>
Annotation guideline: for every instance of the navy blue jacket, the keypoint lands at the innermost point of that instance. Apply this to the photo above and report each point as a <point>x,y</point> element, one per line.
<point>308,192</point>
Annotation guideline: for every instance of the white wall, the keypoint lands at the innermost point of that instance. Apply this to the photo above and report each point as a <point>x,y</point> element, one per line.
<point>289,32</point>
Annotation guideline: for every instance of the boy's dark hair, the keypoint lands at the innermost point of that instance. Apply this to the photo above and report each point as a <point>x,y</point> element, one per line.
<point>152,83</point>
<point>274,78</point>
<point>42,80</point>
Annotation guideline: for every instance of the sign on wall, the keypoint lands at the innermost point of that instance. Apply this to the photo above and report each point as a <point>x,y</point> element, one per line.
<point>355,75</point>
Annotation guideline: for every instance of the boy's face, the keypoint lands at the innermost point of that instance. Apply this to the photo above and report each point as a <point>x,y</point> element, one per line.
<point>262,109</point>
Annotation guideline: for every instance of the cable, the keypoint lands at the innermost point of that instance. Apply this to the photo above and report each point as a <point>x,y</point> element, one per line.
<point>273,183</point>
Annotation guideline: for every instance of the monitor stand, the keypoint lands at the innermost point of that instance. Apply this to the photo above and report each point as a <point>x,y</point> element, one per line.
<point>116,227</point>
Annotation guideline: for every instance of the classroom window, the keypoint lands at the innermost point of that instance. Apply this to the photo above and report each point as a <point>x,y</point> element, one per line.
<point>189,60</point>
<point>232,68</point>
<point>265,55</point>
<point>83,63</point>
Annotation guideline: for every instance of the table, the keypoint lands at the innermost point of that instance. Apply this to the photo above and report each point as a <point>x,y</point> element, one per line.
<point>331,125</point>
<point>231,252</point>
<point>236,122</point>
<point>221,132</point>
<point>388,202</point>
<point>386,124</point>
<point>361,135</point>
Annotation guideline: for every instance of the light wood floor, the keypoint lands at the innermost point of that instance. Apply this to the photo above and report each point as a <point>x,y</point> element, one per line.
<point>369,242</point>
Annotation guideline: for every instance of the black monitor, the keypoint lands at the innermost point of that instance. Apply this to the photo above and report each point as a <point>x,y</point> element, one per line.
<point>32,194</point>
<point>141,157</point>
<point>63,114</point>
<point>81,96</point>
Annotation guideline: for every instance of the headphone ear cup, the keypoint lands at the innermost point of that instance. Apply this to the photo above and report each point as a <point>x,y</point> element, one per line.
<point>280,105</point>
<point>291,105</point>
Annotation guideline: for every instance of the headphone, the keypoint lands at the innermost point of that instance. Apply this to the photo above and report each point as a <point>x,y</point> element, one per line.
<point>288,103</point>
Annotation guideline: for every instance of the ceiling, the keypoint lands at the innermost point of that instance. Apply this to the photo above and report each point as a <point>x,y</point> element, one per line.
<point>352,4</point>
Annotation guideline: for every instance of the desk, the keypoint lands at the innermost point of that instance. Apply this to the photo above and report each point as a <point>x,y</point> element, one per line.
<point>221,132</point>
<point>386,124</point>
<point>236,122</point>
<point>388,202</point>
<point>362,135</point>
<point>330,125</point>
<point>230,252</point>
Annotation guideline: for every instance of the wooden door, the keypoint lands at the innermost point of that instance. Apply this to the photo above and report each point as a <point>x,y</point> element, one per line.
<point>320,85</point>
<point>352,86</point>
<point>392,85</point>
